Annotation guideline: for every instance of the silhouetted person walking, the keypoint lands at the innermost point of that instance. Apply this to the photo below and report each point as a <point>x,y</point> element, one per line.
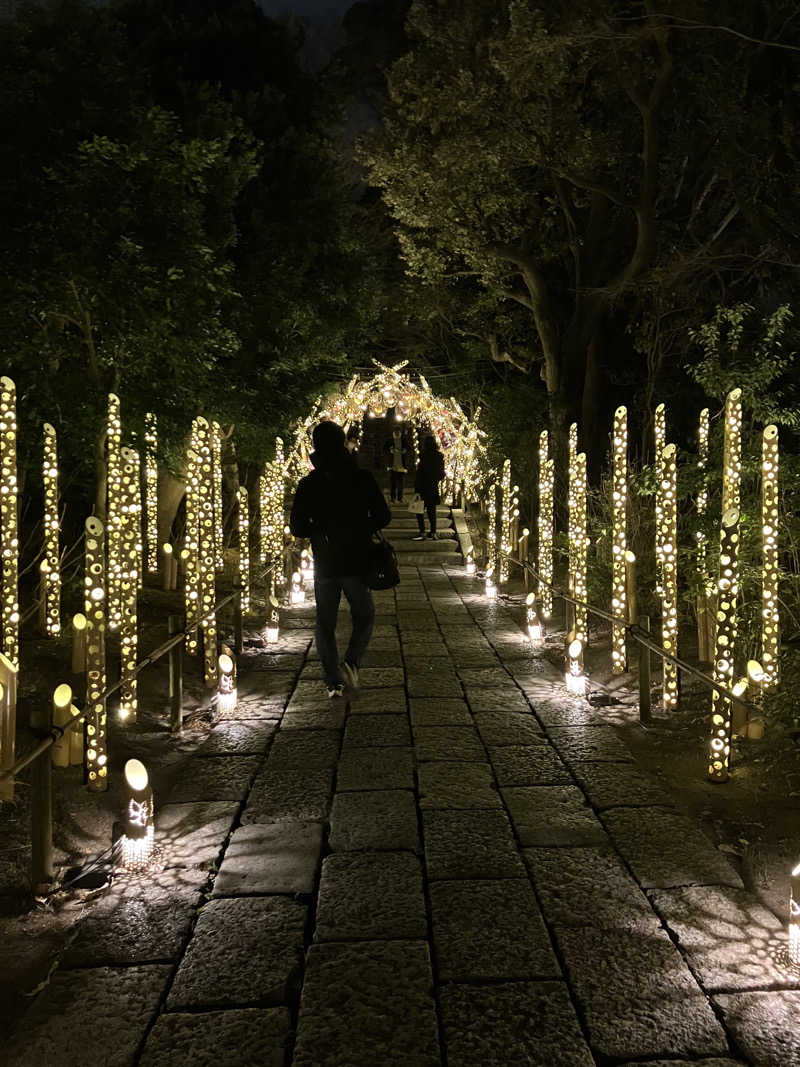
<point>396,452</point>
<point>430,473</point>
<point>339,507</point>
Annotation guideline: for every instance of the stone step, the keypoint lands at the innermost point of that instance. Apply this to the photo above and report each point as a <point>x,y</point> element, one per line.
<point>441,548</point>
<point>420,559</point>
<point>410,533</point>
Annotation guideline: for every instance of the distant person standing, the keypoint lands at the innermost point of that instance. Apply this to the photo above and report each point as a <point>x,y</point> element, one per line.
<point>352,442</point>
<point>430,472</point>
<point>396,452</point>
<point>339,507</point>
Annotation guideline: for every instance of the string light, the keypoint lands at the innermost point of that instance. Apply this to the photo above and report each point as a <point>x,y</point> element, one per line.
<point>151,489</point>
<point>619,495</point>
<point>244,547</point>
<point>129,557</point>
<point>190,554</point>
<point>506,520</point>
<point>95,613</point>
<point>725,650</point>
<point>669,571</point>
<point>114,512</point>
<point>546,485</point>
<point>52,611</point>
<point>272,515</point>
<point>660,440</point>
<point>770,618</point>
<point>9,539</point>
<point>491,533</point>
<point>572,502</point>
<point>207,552</point>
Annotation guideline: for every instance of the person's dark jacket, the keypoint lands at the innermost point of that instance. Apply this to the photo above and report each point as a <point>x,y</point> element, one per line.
<point>430,472</point>
<point>338,506</point>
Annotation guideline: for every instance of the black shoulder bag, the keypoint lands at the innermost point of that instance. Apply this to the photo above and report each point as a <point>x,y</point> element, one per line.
<point>382,570</point>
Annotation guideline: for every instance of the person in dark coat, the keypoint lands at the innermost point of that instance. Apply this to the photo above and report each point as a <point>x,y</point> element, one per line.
<point>339,507</point>
<point>430,472</point>
<point>395,451</point>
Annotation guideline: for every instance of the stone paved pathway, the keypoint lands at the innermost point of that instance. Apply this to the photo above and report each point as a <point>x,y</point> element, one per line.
<point>461,866</point>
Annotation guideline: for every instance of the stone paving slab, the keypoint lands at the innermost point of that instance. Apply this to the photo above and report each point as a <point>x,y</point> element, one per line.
<point>513,944</point>
<point>275,857</point>
<point>501,699</point>
<point>610,785</point>
<point>98,1015</point>
<point>244,951</point>
<point>430,711</point>
<point>254,710</point>
<point>439,684</point>
<point>536,764</point>
<point>363,769</point>
<point>471,657</point>
<point>587,886</point>
<point>219,1038</point>
<point>568,711</point>
<point>379,820</point>
<point>378,702</point>
<point>140,919</point>
<point>448,743</point>
<point>665,849</point>
<point>494,677</point>
<point>380,677</point>
<point>764,1026</point>
<point>508,728</point>
<point>732,942</point>
<point>371,896</point>
<point>205,778</point>
<point>470,844</point>
<point>715,1061</point>
<point>553,815</point>
<point>304,750</point>
<point>637,995</point>
<point>266,685</point>
<point>328,716</point>
<point>594,744</point>
<point>367,1004</point>
<point>192,835</point>
<point>370,731</point>
<point>232,738</point>
<point>289,794</point>
<point>457,785</point>
<point>530,1023</point>
<point>383,657</point>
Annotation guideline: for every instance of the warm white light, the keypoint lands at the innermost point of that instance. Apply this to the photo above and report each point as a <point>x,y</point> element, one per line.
<point>794,916</point>
<point>95,616</point>
<point>770,612</point>
<point>667,542</point>
<point>491,588</point>
<point>619,497</point>
<point>298,593</point>
<point>227,694</point>
<point>136,776</point>
<point>469,566</point>
<point>724,652</point>
<point>52,581</point>
<point>545,522</point>
<point>151,489</point>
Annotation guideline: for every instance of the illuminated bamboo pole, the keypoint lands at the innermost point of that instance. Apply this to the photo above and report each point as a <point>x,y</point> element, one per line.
<point>659,442</point>
<point>732,459</point>
<point>619,496</point>
<point>278,517</point>
<point>571,502</point>
<point>52,590</point>
<point>770,618</point>
<point>151,489</point>
<point>545,523</point>
<point>113,512</point>
<point>669,571</point>
<point>580,540</point>
<point>191,547</point>
<point>95,612</point>
<point>130,558</point>
<point>9,518</point>
<point>207,554</point>
<point>216,446</point>
<point>491,532</point>
<point>505,520</point>
<point>701,506</point>
<point>244,547</point>
<point>725,647</point>
<point>263,514</point>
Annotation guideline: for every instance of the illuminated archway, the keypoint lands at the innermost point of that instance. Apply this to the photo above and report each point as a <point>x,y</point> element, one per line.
<point>415,404</point>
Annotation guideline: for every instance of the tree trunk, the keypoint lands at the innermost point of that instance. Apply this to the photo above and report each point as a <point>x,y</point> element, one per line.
<point>170,493</point>
<point>101,476</point>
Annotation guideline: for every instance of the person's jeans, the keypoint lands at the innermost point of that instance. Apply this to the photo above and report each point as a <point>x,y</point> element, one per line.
<point>328,593</point>
<point>396,481</point>
<point>431,510</point>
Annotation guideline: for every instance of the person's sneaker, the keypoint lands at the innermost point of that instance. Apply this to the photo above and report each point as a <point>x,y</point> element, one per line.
<point>336,691</point>
<point>432,537</point>
<point>351,674</point>
<point>419,537</point>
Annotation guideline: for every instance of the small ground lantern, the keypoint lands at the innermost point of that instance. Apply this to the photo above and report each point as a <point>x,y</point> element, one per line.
<point>575,678</point>
<point>298,593</point>
<point>307,565</point>
<point>491,588</point>
<point>137,839</point>
<point>535,628</point>
<point>470,564</point>
<point>227,684</point>
<point>794,916</point>
<point>273,628</point>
